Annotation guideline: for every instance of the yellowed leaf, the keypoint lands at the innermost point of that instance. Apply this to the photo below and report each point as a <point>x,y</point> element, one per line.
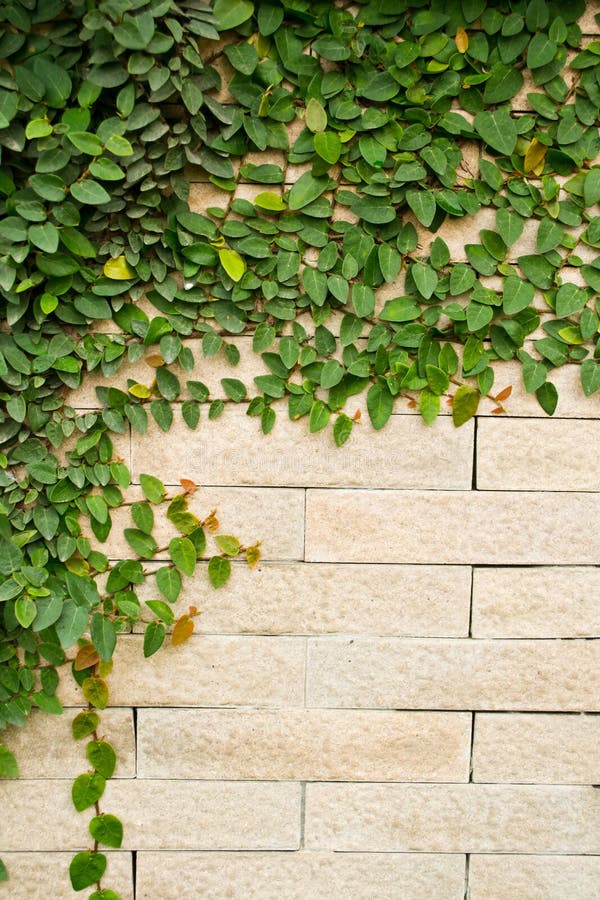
<point>140,390</point>
<point>535,155</point>
<point>184,628</point>
<point>118,269</point>
<point>253,556</point>
<point>462,40</point>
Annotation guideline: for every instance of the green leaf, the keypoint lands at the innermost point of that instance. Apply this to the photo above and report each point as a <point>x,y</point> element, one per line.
<point>45,237</point>
<point>107,830</point>
<point>219,570</point>
<point>547,396</point>
<point>316,117</point>
<point>342,429</point>
<point>161,611</point>
<point>90,192</point>
<point>590,377</point>
<point>497,129</point>
<point>540,51</point>
<point>429,406</point>
<point>504,82</point>
<point>380,405</point>
<point>183,554</point>
<point>423,206</point>
<point>84,724</point>
<point>86,869</point>
<point>57,82</point>
<point>363,300</point>
<point>231,13</point>
<point>142,544</point>
<point>95,691</point>
<point>168,581</point>
<point>86,142</point>
<point>135,32</point>
<point>87,790</point>
<point>102,757</point>
<point>153,488</point>
<point>8,763</point>
<point>516,295</point>
<point>3,872</point>
<point>234,389</point>
<point>328,146</point>
<point>305,190</point>
<point>319,416</point>
<point>569,299</point>
<point>269,201</point>
<point>425,278</point>
<point>464,405</point>
<point>104,636</point>
<point>154,637</point>
<point>437,379</point>
<point>142,515</point>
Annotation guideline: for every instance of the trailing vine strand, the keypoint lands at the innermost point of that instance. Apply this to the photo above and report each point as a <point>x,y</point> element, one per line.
<point>337,140</point>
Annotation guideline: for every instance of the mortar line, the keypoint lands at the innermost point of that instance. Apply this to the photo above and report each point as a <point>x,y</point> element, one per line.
<point>467,867</point>
<point>472,747</point>
<point>302,813</point>
<point>474,461</point>
<point>134,872</point>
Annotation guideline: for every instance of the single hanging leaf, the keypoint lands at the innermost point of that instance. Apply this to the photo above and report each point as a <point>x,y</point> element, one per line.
<point>184,628</point>
<point>102,757</point>
<point>219,570</point>
<point>95,691</point>
<point>86,869</point>
<point>107,830</point>
<point>84,724</point>
<point>183,555</point>
<point>228,544</point>
<point>104,636</point>
<point>153,638</point>
<point>464,405</point>
<point>590,377</point>
<point>380,405</point>
<point>87,790</point>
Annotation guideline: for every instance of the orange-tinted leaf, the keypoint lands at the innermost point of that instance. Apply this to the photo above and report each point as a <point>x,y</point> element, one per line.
<point>86,656</point>
<point>412,404</point>
<point>535,155</point>
<point>184,628</point>
<point>503,395</point>
<point>190,487</point>
<point>497,410</point>
<point>253,556</point>
<point>192,610</point>
<point>357,416</point>
<point>462,40</point>
<point>154,360</point>
<point>211,523</point>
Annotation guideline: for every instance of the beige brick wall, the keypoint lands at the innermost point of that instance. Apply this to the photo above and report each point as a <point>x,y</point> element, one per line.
<point>400,703</point>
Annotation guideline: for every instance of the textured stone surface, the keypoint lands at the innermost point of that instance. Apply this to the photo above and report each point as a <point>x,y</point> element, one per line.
<point>536,749</point>
<point>453,674</point>
<point>452,527</point>
<point>274,516</point>
<point>206,671</point>
<point>320,598</point>
<point>453,818</point>
<point>408,455</point>
<point>534,877</point>
<point>304,745</point>
<point>173,815</point>
<point>536,602</point>
<point>301,875</point>
<point>45,747</point>
<point>544,455</point>
<point>39,876</point>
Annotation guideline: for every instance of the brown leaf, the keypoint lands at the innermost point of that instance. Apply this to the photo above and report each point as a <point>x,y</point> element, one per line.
<point>497,410</point>
<point>190,487</point>
<point>86,656</point>
<point>211,523</point>
<point>357,416</point>
<point>503,395</point>
<point>154,360</point>
<point>184,628</point>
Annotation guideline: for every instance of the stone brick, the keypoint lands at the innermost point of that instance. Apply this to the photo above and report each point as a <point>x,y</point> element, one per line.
<point>457,674</point>
<point>206,671</point>
<point>45,747</point>
<point>467,818</point>
<point>38,876</point>
<point>587,22</point>
<point>304,745</point>
<point>274,516</point>
<point>534,877</point>
<point>408,454</point>
<point>452,527</point>
<point>542,455</point>
<point>536,749</point>
<point>172,815</point>
<point>572,402</point>
<point>558,601</point>
<point>297,876</point>
<point>313,598</point>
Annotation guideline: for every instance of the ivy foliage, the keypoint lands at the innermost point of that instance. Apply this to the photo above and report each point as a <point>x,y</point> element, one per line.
<point>360,130</point>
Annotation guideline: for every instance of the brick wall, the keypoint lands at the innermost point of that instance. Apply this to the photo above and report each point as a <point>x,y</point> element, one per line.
<point>401,702</point>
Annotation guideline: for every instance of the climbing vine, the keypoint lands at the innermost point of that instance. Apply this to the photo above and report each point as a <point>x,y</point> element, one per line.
<point>337,141</point>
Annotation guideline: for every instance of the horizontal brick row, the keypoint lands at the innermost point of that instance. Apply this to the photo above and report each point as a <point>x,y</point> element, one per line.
<point>304,745</point>
<point>321,598</point>
<point>491,527</point>
<point>242,815</point>
<point>367,745</point>
<point>296,876</point>
<point>358,672</point>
